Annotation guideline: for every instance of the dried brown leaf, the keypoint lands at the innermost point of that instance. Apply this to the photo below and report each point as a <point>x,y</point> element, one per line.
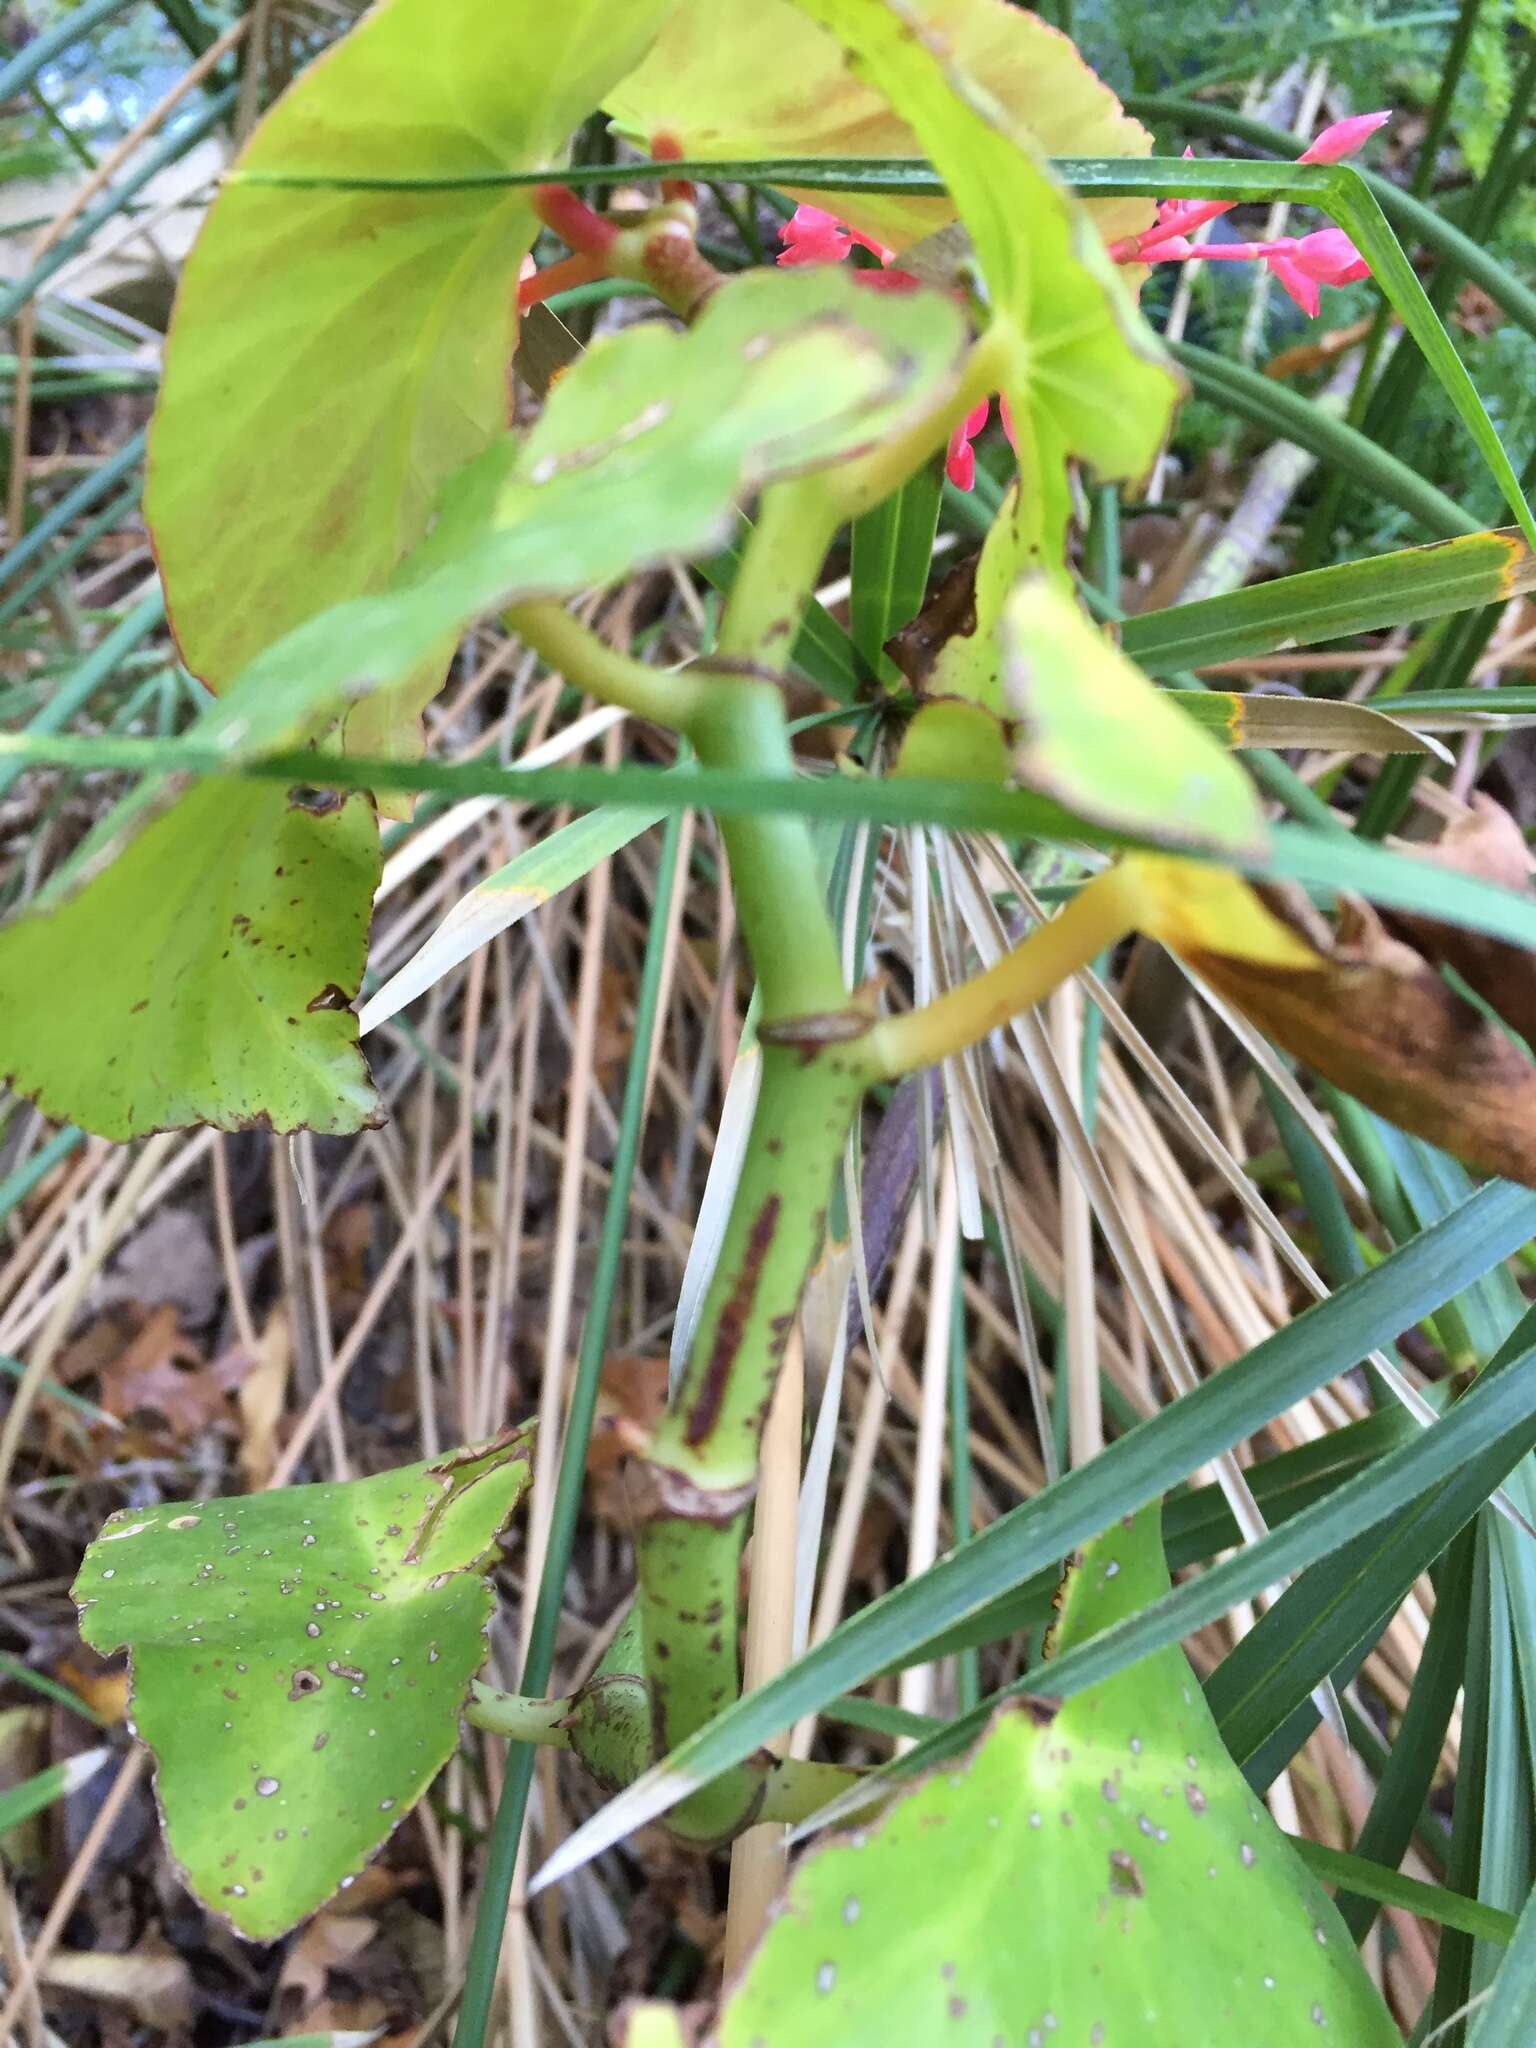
<point>153,1983</point>
<point>1487,844</point>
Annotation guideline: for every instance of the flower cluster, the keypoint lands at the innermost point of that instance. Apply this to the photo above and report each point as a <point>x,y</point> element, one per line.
<point>1300,264</point>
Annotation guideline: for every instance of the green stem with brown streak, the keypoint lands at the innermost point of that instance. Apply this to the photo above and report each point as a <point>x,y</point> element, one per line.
<point>702,1464</point>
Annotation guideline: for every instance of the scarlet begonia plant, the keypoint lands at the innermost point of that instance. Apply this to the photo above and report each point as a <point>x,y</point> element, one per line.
<point>335,495</point>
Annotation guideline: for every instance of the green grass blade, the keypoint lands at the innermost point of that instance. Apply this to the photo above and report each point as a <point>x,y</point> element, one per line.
<point>1389,1888</point>
<point>553,863</point>
<point>1323,862</point>
<point>169,150</point>
<point>1359,213</point>
<point>1406,586</point>
<point>1346,1598</point>
<point>1404,1785</point>
<point>507,1826</point>
<point>21,1180</point>
<point>61,35</point>
<point>892,547</point>
<point>1415,707</point>
<point>1197,1525</point>
<point>1276,409</point>
<point>22,1673</point>
<point>1508,2020</point>
<point>1270,1695</point>
<point>77,689</point>
<point>1453,1970</point>
<point>1504,1848</point>
<point>1488,1431</point>
<point>116,513</point>
<point>79,498</point>
<point>32,1795</point>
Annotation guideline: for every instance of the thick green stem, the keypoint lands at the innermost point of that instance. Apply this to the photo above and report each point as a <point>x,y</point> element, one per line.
<point>780,897</point>
<point>573,650</point>
<point>701,1472</point>
<point>702,1467</point>
<point>796,522</point>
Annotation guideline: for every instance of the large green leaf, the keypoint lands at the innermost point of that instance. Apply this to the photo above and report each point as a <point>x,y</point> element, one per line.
<point>758,78</point>
<point>645,449</point>
<point>1103,1876</point>
<point>334,355</point>
<point>300,1659</point>
<point>205,975</point>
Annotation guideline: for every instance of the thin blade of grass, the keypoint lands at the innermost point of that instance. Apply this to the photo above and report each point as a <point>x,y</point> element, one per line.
<point>507,1826</point>
<point>1489,1430</point>
<point>552,864</point>
<point>1508,2020</point>
<point>1276,409</point>
<point>1405,1784</point>
<point>34,1794</point>
<point>1390,1888</point>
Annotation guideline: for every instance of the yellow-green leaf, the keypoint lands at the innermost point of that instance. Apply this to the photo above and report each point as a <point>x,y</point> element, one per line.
<point>645,449</point>
<point>759,78</point>
<point>1105,742</point>
<point>1084,376</point>
<point>206,975</point>
<point>951,738</point>
<point>335,354</point>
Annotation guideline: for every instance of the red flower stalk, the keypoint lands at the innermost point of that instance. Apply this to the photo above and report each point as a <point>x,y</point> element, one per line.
<point>666,149</point>
<point>960,462</point>
<point>574,221</point>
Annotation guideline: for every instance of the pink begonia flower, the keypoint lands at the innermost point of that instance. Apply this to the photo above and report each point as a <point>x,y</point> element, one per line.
<point>960,462</point>
<point>1300,265</point>
<point>1175,218</point>
<point>812,235</point>
<point>1343,138</point>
